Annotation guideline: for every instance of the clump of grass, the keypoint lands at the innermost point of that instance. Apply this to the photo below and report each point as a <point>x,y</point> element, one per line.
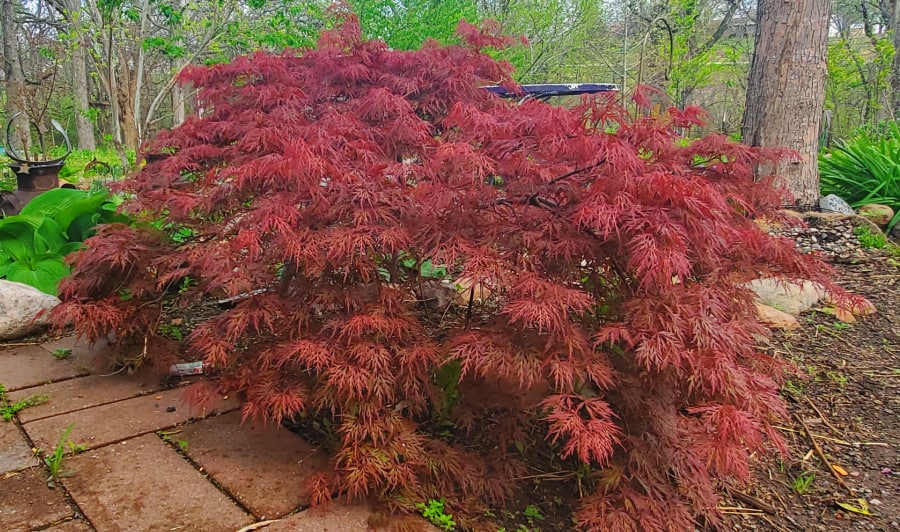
<point>56,459</point>
<point>9,410</point>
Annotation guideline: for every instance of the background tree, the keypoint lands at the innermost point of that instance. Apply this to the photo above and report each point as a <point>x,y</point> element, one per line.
<point>786,90</point>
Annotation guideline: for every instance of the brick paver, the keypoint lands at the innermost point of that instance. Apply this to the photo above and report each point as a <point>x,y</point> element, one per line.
<point>118,421</point>
<point>78,394</point>
<point>144,485</point>
<point>94,358</point>
<point>73,525</point>
<point>263,467</point>
<point>27,503</point>
<point>15,453</point>
<point>21,367</point>
<point>337,518</point>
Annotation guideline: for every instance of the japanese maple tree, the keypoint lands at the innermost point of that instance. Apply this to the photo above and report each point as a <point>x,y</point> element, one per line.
<point>316,186</point>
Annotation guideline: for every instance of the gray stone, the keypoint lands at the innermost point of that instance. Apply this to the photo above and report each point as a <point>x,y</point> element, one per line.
<point>23,309</point>
<point>833,203</point>
<point>785,295</point>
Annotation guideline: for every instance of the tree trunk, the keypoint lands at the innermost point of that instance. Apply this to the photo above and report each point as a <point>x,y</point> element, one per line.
<point>15,78</point>
<point>83,125</point>
<point>179,105</point>
<point>80,82</point>
<point>895,68</point>
<point>786,90</point>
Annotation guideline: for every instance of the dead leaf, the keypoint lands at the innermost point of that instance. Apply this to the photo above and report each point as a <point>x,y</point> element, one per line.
<point>863,508</point>
<point>839,470</point>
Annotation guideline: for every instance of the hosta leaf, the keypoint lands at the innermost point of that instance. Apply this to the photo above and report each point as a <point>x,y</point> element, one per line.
<point>45,275</point>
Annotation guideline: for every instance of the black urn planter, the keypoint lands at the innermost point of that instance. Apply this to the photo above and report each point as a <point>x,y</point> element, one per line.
<point>32,177</point>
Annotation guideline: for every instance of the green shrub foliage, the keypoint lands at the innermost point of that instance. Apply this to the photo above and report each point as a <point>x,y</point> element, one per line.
<point>865,169</point>
<point>616,328</point>
<point>35,242</point>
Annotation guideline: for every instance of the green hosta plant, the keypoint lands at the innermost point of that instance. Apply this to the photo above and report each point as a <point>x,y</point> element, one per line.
<point>865,169</point>
<point>34,243</point>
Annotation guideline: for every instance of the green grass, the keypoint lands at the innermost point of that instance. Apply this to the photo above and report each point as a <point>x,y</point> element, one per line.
<point>803,482</point>
<point>9,410</point>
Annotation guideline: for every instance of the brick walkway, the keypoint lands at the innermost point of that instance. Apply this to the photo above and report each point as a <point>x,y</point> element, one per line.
<point>151,462</point>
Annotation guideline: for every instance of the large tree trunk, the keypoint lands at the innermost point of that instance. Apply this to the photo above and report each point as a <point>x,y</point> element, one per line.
<point>83,125</point>
<point>15,78</point>
<point>786,89</point>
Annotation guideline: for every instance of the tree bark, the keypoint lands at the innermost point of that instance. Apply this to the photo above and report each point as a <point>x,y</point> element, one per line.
<point>83,126</point>
<point>895,68</point>
<point>786,90</point>
<point>15,78</point>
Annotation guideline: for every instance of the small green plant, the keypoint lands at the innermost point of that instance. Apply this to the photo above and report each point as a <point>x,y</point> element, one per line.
<point>533,513</point>
<point>9,410</point>
<point>840,326</point>
<point>433,510</point>
<point>803,482</point>
<point>837,378</point>
<point>172,331</point>
<point>869,239</point>
<point>182,445</point>
<point>64,448</point>
<point>62,354</point>
<point>793,388</point>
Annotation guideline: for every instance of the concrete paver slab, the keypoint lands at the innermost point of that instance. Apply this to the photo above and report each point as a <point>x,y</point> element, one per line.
<point>85,392</point>
<point>144,485</point>
<point>74,525</point>
<point>27,503</point>
<point>263,467</point>
<point>21,367</point>
<point>15,453</point>
<point>95,427</point>
<point>93,358</point>
<point>335,518</point>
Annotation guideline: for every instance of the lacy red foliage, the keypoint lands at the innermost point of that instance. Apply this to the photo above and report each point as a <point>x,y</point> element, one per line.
<point>613,250</point>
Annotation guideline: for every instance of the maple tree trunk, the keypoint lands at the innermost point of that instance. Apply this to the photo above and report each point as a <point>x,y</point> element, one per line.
<point>786,90</point>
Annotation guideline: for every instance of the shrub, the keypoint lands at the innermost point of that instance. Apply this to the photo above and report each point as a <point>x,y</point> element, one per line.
<point>34,243</point>
<point>616,326</point>
<point>865,169</point>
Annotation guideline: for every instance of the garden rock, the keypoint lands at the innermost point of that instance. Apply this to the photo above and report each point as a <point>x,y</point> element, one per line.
<point>775,318</point>
<point>23,309</point>
<point>895,232</point>
<point>792,297</point>
<point>879,214</point>
<point>833,203</point>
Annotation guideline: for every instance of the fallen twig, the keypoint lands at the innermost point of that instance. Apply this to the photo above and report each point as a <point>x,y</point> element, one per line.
<point>752,501</point>
<point>822,416</point>
<point>821,454</point>
<point>837,441</point>
<point>261,524</point>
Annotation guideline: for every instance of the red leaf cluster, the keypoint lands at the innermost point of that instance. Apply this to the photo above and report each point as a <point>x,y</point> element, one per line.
<point>613,252</point>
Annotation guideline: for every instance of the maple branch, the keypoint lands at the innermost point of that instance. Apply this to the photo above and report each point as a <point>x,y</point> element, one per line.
<point>576,171</point>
